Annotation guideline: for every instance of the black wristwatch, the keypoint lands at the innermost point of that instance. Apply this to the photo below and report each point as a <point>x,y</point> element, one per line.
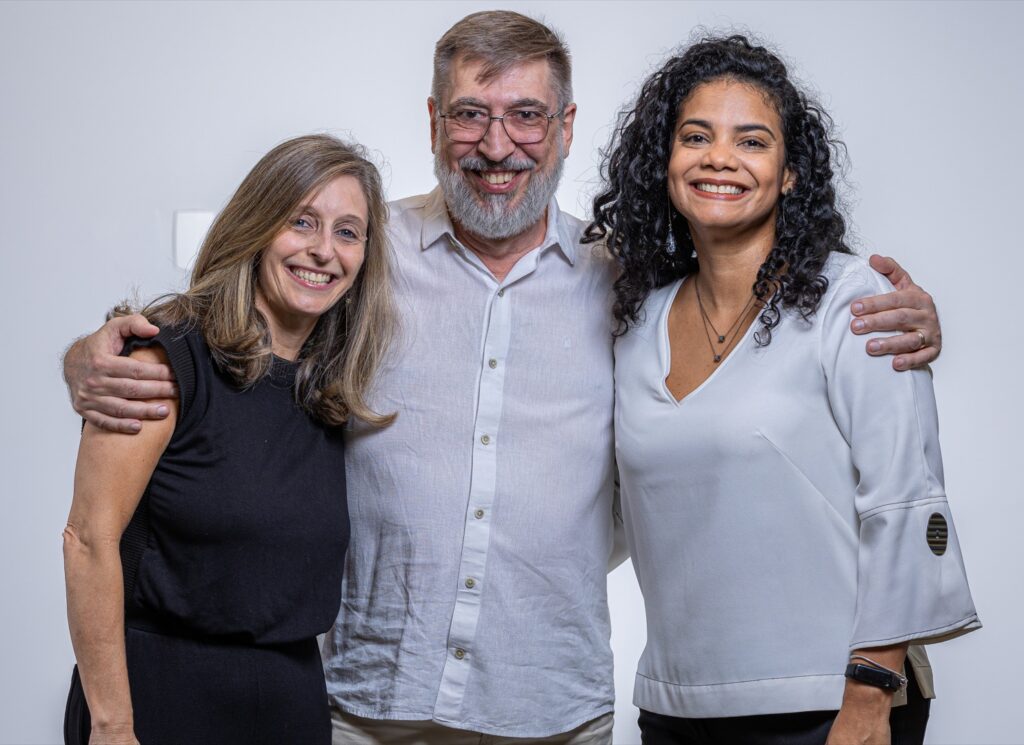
<point>873,676</point>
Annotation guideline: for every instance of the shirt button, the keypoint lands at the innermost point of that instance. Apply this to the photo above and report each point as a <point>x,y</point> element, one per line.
<point>486,439</point>
<point>460,653</point>
<point>492,363</point>
<point>470,583</point>
<point>501,292</point>
<point>478,514</point>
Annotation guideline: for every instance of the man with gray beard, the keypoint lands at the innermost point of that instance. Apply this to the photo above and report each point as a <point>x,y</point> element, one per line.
<point>482,520</point>
<point>497,217</point>
<point>474,607</point>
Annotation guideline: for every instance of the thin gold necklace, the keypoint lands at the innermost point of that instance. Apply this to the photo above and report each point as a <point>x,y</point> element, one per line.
<point>729,336</point>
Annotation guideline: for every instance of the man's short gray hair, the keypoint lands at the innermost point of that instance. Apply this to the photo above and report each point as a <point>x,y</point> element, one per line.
<point>502,39</point>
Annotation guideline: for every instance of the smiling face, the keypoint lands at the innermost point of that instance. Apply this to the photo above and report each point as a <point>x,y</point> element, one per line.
<point>727,168</point>
<point>314,259</point>
<point>496,188</point>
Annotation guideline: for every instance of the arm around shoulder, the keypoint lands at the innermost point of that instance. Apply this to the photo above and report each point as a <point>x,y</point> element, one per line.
<point>904,307</point>
<point>111,391</point>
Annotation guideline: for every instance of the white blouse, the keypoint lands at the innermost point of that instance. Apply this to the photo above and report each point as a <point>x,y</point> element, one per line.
<point>788,510</point>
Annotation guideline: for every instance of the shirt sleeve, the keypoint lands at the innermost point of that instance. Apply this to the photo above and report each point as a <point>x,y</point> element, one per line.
<point>911,582</point>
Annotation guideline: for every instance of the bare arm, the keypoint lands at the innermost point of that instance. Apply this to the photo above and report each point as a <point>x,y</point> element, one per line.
<point>106,388</point>
<point>909,309</point>
<point>864,715</point>
<point>110,477</point>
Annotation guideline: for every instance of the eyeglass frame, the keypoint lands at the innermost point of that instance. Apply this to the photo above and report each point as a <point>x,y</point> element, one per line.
<point>492,119</point>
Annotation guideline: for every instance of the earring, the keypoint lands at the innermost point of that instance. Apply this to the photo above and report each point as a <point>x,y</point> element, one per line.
<point>670,242</point>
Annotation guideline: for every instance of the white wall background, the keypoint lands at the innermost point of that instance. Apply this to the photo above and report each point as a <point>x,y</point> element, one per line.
<point>113,115</point>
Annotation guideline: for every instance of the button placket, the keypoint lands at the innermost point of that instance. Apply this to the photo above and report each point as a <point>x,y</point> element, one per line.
<point>476,536</point>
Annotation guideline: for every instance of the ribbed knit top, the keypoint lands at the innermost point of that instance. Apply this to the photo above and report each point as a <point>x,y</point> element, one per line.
<point>242,531</point>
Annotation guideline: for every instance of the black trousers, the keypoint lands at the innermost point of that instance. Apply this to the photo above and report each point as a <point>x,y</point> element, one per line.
<point>198,692</point>
<point>907,724</point>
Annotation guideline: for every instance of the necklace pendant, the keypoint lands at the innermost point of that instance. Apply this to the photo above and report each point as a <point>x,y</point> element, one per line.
<point>718,358</point>
<point>720,338</point>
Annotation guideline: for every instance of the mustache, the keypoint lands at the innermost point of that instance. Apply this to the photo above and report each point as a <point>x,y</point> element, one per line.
<point>474,163</point>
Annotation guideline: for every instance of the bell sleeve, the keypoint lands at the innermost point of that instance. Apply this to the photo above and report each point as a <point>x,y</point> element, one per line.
<point>911,581</point>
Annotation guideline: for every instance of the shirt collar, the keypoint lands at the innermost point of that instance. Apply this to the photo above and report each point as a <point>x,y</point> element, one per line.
<point>437,225</point>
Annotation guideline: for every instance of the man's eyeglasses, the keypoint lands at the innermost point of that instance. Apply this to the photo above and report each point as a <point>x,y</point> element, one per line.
<point>523,126</point>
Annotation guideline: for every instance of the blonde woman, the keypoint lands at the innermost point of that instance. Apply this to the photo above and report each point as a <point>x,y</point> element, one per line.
<point>204,554</point>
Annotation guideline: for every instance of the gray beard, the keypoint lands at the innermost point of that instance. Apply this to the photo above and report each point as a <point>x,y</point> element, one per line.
<point>494,218</point>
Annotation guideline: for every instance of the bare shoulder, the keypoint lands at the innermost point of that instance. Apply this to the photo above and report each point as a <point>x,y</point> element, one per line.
<point>155,354</point>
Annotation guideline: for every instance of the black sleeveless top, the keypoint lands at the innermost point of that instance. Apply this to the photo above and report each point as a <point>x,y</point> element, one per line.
<point>242,531</point>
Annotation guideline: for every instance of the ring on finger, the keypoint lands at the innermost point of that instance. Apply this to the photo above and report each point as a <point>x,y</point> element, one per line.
<point>924,340</point>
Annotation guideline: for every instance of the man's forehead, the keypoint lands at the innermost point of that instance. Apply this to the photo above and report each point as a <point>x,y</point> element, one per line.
<point>529,79</point>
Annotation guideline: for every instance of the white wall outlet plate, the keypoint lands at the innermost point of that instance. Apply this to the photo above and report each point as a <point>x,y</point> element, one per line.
<point>190,228</point>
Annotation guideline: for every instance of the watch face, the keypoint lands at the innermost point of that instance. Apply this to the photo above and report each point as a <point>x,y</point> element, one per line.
<point>877,677</point>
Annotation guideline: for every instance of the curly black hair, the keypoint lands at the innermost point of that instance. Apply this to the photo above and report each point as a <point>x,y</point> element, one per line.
<point>633,214</point>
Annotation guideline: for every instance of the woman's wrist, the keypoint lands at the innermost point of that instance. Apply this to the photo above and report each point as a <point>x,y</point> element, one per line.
<point>866,695</point>
<point>121,735</point>
<point>111,719</point>
<point>866,703</point>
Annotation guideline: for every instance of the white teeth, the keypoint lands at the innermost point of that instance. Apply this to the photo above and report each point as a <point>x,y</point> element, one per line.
<point>313,277</point>
<point>497,177</point>
<point>720,188</point>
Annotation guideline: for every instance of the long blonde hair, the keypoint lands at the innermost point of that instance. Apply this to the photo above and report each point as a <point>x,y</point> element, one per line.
<point>339,360</point>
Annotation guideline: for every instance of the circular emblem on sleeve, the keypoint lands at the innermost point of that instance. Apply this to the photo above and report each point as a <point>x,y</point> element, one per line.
<point>938,534</point>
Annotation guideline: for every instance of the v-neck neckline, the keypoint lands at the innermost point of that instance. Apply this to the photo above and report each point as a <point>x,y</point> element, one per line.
<point>666,347</point>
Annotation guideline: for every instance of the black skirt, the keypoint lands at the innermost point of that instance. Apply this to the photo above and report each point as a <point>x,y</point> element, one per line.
<point>192,691</point>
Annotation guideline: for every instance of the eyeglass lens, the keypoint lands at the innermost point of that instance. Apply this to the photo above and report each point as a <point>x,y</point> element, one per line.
<point>524,127</point>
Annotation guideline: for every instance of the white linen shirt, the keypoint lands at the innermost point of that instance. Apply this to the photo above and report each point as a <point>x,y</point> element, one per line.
<point>482,519</point>
<point>778,515</point>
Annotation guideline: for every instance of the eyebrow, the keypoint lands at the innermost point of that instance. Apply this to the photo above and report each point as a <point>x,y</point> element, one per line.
<point>533,103</point>
<point>755,128</point>
<point>351,218</point>
<point>741,128</point>
<point>519,103</point>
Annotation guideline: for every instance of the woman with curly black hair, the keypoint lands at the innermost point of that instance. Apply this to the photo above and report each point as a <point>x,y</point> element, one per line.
<point>782,491</point>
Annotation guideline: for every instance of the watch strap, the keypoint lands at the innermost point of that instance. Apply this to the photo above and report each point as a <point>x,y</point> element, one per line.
<point>873,676</point>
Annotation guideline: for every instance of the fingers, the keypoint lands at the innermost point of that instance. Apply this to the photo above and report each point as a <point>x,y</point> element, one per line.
<point>911,311</point>
<point>132,369</point>
<point>898,319</point>
<point>912,350</point>
<point>124,426</point>
<point>120,378</point>
<point>99,387</point>
<point>865,306</point>
<point>122,409</point>
<point>902,344</point>
<point>917,359</point>
<point>882,264</point>
<point>911,299</point>
<point>133,325</point>
<point>100,399</point>
<point>896,274</point>
<point>119,415</point>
